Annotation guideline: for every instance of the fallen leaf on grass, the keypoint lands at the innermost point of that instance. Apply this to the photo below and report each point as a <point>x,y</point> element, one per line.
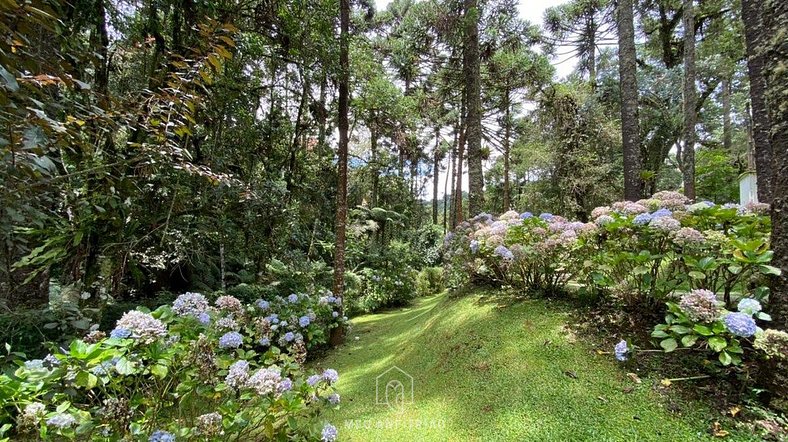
<point>634,378</point>
<point>602,399</point>
<point>628,390</point>
<point>665,382</point>
<point>571,374</point>
<point>734,410</point>
<point>717,431</point>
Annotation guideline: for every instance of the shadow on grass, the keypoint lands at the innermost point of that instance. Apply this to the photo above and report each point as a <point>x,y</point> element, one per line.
<point>484,372</point>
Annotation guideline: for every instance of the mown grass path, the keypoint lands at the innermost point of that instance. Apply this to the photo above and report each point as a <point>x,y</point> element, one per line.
<point>482,373</point>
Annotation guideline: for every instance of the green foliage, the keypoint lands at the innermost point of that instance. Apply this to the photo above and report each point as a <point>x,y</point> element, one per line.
<point>429,281</point>
<point>166,371</point>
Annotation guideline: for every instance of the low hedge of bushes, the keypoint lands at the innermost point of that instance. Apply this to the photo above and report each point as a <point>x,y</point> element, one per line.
<point>706,264</point>
<point>191,370</point>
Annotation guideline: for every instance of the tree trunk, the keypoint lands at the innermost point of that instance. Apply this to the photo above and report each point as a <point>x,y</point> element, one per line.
<point>373,143</point>
<point>449,174</point>
<point>776,75</point>
<point>753,33</point>
<point>591,34</point>
<point>473,121</point>
<point>726,114</point>
<point>630,126</point>
<point>507,135</point>
<point>460,157</point>
<point>690,97</point>
<point>436,168</point>
<point>337,334</point>
<point>101,60</point>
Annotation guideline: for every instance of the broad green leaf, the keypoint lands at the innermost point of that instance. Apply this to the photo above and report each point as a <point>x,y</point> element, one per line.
<point>160,371</point>
<point>770,270</point>
<point>725,358</point>
<point>763,316</point>
<point>124,367</point>
<point>703,330</point>
<point>689,340</point>
<point>659,334</point>
<point>717,343</point>
<point>669,344</point>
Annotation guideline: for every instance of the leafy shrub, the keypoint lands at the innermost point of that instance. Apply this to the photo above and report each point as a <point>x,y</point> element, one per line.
<point>251,292</point>
<point>699,320</point>
<point>429,281</point>
<point>190,370</point>
<point>639,253</point>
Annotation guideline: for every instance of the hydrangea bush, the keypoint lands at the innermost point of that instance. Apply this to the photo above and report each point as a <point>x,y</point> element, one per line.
<point>189,371</point>
<point>637,252</point>
<point>707,262</point>
<point>699,320</point>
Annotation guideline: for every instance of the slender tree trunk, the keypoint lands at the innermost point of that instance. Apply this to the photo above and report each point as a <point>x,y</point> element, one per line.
<point>436,168</point>
<point>776,75</point>
<point>449,174</point>
<point>630,126</point>
<point>337,334</point>
<point>473,121</point>
<point>754,37</point>
<point>458,216</point>
<point>690,98</point>
<point>321,118</point>
<point>507,135</point>
<point>373,143</point>
<point>101,63</point>
<point>591,34</point>
<point>726,114</point>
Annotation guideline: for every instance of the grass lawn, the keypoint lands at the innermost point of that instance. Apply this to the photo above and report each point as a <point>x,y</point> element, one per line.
<point>482,371</point>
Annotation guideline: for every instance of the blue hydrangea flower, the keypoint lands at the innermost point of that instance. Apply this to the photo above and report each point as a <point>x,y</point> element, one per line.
<point>304,321</point>
<point>120,333</point>
<point>34,364</point>
<point>52,360</point>
<point>332,299</point>
<point>329,433</point>
<point>283,324</point>
<point>273,318</point>
<point>62,420</point>
<point>313,380</point>
<point>526,215</point>
<point>504,253</point>
<point>642,219</point>
<point>660,213</point>
<point>547,216</point>
<point>334,314</point>
<point>293,298</point>
<point>474,246</point>
<point>104,368</point>
<point>263,304</point>
<point>621,350</point>
<point>289,336</point>
<point>161,436</point>
<point>749,306</point>
<point>231,340</point>
<point>330,375</point>
<point>265,342</point>
<point>333,398</point>
<point>740,324</point>
<point>204,318</point>
<point>285,385</point>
